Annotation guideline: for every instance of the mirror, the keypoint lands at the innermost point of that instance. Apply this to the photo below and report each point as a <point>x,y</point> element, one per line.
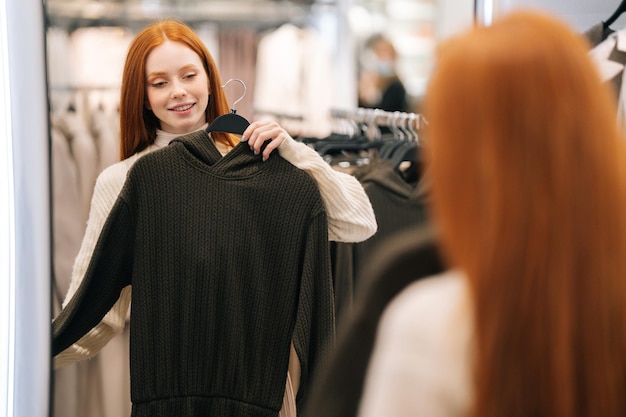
<point>86,48</point>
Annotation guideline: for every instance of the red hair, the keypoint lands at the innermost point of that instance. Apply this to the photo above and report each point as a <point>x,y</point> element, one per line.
<point>529,191</point>
<point>138,125</point>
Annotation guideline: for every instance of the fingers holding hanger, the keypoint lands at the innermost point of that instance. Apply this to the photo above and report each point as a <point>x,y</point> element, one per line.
<point>263,131</point>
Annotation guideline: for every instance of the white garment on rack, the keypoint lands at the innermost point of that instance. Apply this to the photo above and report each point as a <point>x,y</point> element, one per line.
<point>80,64</point>
<point>98,55</point>
<point>68,233</point>
<point>610,59</point>
<point>72,384</point>
<point>105,129</point>
<point>294,77</point>
<point>85,156</point>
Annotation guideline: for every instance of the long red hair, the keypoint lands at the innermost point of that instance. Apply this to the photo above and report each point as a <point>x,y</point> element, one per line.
<point>138,125</point>
<point>528,172</point>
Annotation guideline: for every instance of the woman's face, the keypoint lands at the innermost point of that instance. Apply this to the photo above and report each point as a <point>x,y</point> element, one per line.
<point>177,87</point>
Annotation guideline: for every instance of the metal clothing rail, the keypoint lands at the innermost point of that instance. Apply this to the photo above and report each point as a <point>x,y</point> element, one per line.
<point>381,117</point>
<point>368,122</point>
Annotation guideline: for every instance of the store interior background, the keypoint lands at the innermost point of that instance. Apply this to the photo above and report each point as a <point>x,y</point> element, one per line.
<point>232,30</point>
<point>86,47</point>
<point>415,26</point>
<point>342,25</point>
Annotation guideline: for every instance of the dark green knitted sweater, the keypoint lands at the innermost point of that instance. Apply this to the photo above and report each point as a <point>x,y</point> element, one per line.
<point>229,262</point>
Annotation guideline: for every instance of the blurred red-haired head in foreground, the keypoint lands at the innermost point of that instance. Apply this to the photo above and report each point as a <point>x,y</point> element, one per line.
<point>528,171</point>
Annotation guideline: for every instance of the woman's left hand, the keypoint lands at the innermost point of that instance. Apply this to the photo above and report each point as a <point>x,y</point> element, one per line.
<point>262,131</point>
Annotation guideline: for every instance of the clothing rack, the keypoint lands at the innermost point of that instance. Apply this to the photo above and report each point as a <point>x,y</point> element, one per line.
<point>381,117</point>
<point>402,125</point>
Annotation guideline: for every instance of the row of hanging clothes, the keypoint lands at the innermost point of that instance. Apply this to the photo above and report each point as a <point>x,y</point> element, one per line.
<point>84,132</point>
<point>382,150</point>
<point>362,135</point>
<point>83,91</point>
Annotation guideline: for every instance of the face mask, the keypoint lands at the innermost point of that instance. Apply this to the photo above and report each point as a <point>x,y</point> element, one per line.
<point>384,68</point>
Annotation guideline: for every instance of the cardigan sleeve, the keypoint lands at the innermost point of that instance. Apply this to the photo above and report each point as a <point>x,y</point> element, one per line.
<point>106,191</point>
<point>350,214</point>
<point>109,271</point>
<point>314,332</point>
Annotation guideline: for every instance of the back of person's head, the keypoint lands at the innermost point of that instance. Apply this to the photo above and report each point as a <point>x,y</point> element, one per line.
<point>529,192</point>
<point>138,125</point>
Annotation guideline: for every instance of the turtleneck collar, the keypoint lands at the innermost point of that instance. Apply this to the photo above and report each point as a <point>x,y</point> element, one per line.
<point>164,138</point>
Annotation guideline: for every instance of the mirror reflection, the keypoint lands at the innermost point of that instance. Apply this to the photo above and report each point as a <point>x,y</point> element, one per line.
<point>327,86</point>
<point>211,238</point>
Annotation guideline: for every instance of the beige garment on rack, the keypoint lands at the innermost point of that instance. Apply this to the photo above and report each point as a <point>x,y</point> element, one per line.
<point>292,385</point>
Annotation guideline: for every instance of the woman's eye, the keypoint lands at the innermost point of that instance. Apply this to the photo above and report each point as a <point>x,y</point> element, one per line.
<point>188,76</point>
<point>158,84</point>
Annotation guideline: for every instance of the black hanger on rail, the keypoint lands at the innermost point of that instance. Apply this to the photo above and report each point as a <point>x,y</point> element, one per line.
<point>231,122</point>
<point>617,13</point>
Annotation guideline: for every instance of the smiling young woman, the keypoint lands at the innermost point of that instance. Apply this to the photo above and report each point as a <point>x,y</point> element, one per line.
<point>171,88</point>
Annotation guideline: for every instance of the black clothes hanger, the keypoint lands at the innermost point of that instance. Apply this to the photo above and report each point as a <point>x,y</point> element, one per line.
<point>617,13</point>
<point>231,122</point>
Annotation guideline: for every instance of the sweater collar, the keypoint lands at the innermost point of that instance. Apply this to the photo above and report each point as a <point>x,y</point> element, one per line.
<point>201,151</point>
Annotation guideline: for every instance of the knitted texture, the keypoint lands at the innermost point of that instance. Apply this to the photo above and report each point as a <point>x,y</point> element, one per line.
<point>398,206</point>
<point>229,262</point>
<point>348,210</point>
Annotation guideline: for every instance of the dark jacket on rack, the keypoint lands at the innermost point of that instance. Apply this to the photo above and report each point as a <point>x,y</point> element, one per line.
<point>229,263</point>
<point>408,256</point>
<point>397,205</point>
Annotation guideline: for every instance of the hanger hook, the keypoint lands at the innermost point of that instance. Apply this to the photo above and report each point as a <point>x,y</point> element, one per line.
<point>413,127</point>
<point>400,120</point>
<point>245,89</point>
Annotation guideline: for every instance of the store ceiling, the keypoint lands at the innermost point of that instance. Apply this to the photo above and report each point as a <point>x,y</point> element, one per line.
<point>72,12</point>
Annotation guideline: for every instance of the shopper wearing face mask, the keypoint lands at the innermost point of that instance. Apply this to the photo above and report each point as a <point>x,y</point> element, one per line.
<point>379,84</point>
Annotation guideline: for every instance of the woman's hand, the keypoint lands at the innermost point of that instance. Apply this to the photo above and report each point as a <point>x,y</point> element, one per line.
<point>262,131</point>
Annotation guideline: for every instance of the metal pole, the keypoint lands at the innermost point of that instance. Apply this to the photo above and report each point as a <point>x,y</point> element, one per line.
<point>485,11</point>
